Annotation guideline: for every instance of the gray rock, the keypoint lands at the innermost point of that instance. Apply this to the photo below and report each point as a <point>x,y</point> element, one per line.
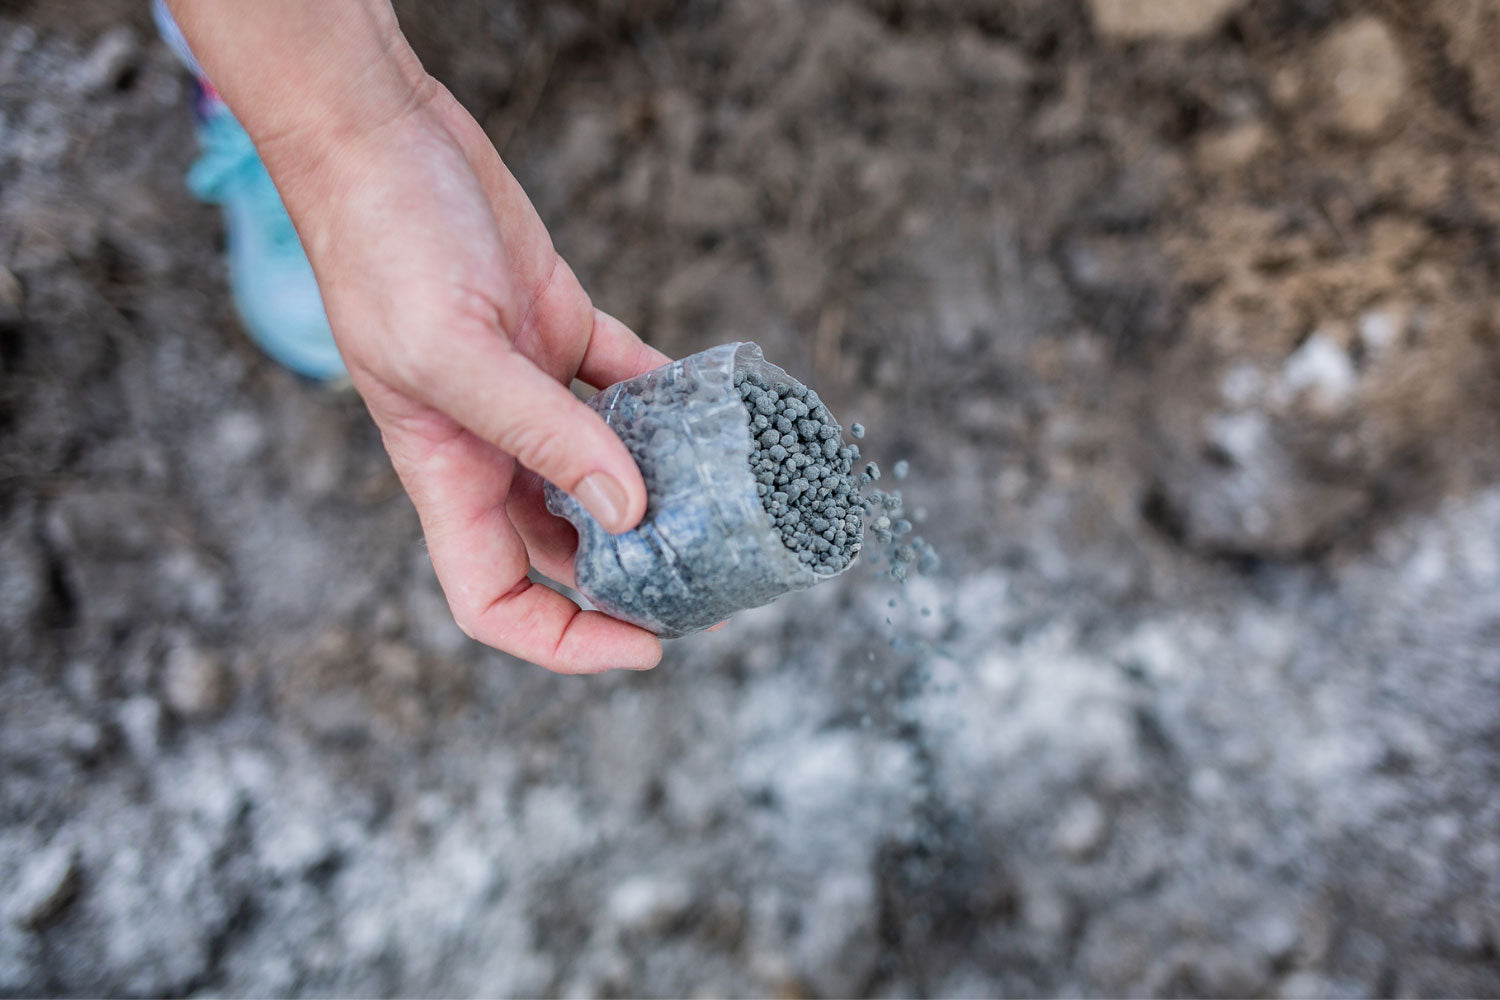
<point>116,52</point>
<point>1319,377</point>
<point>195,683</point>
<point>647,903</point>
<point>1081,829</point>
<point>1276,935</point>
<point>47,883</point>
<point>139,719</point>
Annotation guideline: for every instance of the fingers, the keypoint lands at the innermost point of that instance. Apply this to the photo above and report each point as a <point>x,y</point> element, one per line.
<point>615,353</point>
<point>459,485</point>
<point>489,387</point>
<point>550,540</point>
<point>555,332</point>
<point>541,625</point>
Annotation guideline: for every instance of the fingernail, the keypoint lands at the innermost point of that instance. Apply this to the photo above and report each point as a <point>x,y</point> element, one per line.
<point>604,498</point>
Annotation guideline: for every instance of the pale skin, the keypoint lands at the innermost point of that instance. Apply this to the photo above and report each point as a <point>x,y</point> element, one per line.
<point>461,326</point>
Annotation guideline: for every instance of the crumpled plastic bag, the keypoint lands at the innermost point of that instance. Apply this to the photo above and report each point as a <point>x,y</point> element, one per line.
<point>706,548</point>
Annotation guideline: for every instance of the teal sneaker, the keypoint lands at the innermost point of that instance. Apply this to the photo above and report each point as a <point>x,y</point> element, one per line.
<point>271,280</point>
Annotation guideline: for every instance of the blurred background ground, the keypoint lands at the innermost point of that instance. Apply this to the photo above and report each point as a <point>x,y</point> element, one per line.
<point>1184,313</point>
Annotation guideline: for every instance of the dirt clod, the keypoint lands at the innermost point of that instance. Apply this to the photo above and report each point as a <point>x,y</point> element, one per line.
<point>1133,20</point>
<point>1362,76</point>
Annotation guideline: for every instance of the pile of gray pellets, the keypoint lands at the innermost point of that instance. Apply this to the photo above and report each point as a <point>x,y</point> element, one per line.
<point>805,477</point>
<point>803,472</point>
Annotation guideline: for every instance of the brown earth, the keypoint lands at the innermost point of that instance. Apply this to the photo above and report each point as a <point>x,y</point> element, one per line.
<point>1184,314</point>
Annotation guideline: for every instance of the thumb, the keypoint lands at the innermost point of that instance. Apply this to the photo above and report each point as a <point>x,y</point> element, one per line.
<point>499,395</point>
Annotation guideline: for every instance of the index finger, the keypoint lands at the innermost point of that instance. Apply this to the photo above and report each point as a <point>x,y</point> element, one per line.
<point>615,353</point>
<point>459,485</point>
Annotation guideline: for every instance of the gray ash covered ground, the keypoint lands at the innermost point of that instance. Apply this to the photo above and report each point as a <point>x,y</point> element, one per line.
<point>803,472</point>
<point>1189,336</point>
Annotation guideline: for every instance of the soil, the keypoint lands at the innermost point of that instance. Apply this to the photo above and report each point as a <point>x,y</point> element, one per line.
<point>1184,316</point>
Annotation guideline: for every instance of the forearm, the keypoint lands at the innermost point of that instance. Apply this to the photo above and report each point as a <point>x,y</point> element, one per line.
<point>305,79</point>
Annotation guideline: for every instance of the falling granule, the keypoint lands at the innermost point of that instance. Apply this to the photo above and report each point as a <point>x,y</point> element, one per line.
<point>806,482</point>
<point>904,551</point>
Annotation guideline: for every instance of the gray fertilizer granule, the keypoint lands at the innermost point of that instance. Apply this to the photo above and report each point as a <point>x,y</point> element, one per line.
<point>904,551</point>
<point>803,472</point>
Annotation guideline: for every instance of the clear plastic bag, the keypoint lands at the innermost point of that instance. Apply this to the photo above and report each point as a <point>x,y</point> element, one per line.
<point>706,548</point>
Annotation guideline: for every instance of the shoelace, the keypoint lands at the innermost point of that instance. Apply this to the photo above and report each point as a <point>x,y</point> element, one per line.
<point>230,168</point>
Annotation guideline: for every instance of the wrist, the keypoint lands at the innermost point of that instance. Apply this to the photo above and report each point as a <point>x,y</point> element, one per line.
<point>331,144</point>
<point>309,81</point>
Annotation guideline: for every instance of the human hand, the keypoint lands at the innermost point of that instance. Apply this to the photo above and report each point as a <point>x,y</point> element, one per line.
<point>462,329</point>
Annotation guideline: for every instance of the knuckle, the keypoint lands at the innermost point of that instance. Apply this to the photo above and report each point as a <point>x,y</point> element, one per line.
<point>466,622</point>
<point>542,449</point>
<point>415,370</point>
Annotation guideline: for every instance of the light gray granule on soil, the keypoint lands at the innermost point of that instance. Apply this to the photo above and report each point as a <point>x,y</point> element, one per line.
<point>803,472</point>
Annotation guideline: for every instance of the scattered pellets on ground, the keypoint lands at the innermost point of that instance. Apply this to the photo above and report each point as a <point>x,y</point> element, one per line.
<point>803,472</point>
